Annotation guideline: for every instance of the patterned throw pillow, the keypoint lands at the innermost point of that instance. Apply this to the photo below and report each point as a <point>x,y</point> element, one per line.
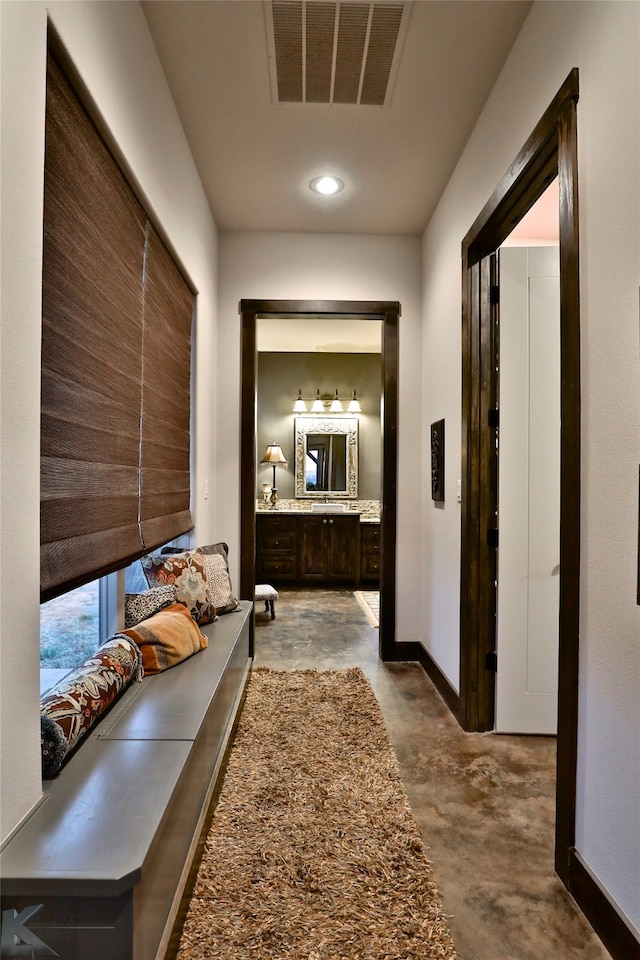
<point>166,638</point>
<point>139,606</point>
<point>186,572</point>
<point>219,584</point>
<point>215,559</point>
<point>69,710</point>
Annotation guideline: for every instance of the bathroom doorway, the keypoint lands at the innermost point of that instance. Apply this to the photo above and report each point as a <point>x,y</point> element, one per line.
<point>386,313</point>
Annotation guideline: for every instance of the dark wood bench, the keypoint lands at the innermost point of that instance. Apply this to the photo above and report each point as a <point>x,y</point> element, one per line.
<point>108,851</point>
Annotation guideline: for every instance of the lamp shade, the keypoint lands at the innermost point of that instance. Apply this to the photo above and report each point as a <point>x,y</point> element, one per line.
<point>299,405</point>
<point>354,404</point>
<point>336,405</point>
<point>273,454</point>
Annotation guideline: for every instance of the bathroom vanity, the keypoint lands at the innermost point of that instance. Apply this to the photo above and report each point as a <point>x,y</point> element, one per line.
<point>312,547</point>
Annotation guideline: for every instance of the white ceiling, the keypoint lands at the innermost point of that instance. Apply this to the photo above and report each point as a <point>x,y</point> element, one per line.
<point>256,157</point>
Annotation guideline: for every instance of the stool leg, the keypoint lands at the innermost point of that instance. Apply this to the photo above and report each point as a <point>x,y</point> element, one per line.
<point>273,610</point>
<point>266,606</point>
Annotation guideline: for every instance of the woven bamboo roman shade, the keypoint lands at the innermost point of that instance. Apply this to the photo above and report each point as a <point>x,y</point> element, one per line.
<point>115,363</point>
<point>166,398</point>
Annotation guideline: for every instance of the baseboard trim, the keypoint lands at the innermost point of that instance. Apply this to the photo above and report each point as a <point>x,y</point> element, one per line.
<point>611,927</point>
<point>402,652</point>
<point>440,682</point>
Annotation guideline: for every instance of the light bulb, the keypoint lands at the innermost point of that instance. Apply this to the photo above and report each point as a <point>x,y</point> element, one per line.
<point>327,186</point>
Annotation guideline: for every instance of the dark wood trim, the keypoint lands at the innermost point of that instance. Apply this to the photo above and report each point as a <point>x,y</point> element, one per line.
<point>487,492</point>
<point>407,651</point>
<point>367,309</point>
<point>248,457</point>
<point>550,150</point>
<point>610,926</point>
<point>569,621</point>
<point>438,679</point>
<point>387,647</point>
<point>388,312</point>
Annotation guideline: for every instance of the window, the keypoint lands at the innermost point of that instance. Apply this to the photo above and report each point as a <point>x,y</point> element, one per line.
<point>73,625</point>
<point>70,627</point>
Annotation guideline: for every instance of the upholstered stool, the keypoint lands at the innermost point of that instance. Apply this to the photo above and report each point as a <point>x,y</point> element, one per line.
<point>264,591</point>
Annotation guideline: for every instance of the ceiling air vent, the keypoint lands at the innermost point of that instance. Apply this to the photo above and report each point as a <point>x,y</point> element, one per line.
<point>334,52</point>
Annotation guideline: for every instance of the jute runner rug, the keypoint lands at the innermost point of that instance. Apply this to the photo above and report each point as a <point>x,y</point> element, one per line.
<point>313,852</point>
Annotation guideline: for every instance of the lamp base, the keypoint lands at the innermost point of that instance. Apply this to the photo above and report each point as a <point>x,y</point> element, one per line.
<point>273,499</point>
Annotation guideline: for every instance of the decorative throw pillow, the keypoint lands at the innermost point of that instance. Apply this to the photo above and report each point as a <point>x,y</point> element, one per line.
<point>139,606</point>
<point>215,557</point>
<point>217,574</point>
<point>166,638</point>
<point>70,709</point>
<point>186,572</point>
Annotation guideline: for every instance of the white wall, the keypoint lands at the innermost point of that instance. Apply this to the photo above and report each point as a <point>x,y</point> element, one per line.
<point>327,267</point>
<point>602,40</point>
<point>111,47</point>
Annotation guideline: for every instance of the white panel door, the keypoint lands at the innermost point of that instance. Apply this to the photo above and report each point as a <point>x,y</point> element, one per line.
<point>528,491</point>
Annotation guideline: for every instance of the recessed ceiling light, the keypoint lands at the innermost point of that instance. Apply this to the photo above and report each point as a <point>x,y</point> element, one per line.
<point>327,186</point>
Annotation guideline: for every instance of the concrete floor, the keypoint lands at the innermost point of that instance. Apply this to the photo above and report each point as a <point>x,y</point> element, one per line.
<point>484,803</point>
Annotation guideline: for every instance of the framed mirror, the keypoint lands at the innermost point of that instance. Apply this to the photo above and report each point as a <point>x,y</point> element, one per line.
<point>326,457</point>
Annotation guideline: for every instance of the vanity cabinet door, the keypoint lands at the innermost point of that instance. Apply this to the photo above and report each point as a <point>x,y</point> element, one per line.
<point>312,547</point>
<point>343,557</point>
<point>329,549</point>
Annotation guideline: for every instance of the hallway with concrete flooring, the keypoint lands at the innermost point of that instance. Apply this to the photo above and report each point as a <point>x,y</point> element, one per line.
<point>484,803</point>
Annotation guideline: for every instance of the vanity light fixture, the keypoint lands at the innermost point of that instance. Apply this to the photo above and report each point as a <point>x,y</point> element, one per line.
<point>326,186</point>
<point>299,406</point>
<point>326,404</point>
<point>354,405</point>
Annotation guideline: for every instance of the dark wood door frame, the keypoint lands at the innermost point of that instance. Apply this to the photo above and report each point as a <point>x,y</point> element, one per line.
<point>550,151</point>
<point>388,312</point>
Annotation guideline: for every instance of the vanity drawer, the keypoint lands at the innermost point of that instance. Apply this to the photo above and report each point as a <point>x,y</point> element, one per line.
<point>276,534</point>
<point>370,553</point>
<point>370,568</point>
<point>370,536</point>
<point>277,568</point>
<point>272,541</point>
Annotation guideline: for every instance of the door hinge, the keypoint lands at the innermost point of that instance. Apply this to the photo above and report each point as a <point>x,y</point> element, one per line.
<point>492,537</point>
<point>491,661</point>
<point>494,417</point>
<point>494,294</point>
